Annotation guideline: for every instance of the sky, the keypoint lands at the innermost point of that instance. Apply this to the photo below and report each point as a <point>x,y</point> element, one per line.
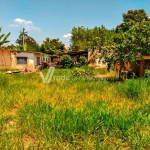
<point>56,18</point>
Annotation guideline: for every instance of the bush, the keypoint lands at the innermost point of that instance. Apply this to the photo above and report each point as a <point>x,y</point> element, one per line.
<point>147,73</point>
<point>67,62</point>
<point>82,61</point>
<point>83,73</point>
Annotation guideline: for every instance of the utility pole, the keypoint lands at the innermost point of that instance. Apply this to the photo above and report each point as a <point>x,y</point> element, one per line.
<point>23,35</point>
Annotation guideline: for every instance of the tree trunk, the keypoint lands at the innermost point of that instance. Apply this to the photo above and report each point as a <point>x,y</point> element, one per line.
<point>120,69</point>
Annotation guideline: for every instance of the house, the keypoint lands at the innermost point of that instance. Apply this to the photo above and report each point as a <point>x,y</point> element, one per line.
<point>138,66</point>
<point>55,58</point>
<point>23,59</point>
<point>20,59</point>
<point>46,58</point>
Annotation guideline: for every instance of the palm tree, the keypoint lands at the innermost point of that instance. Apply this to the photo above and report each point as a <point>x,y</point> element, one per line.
<point>3,38</point>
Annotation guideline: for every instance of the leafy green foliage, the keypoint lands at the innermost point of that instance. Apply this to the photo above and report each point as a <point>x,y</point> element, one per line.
<point>18,47</point>
<point>82,61</point>
<point>29,45</point>
<point>10,47</point>
<point>83,73</point>
<point>3,38</point>
<point>132,16</point>
<point>52,46</point>
<point>131,39</point>
<point>67,61</point>
<point>147,73</point>
<point>85,38</point>
<point>25,46</point>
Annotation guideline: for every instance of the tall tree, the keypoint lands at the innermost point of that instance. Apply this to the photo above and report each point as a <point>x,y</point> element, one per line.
<point>132,38</point>
<point>3,38</point>
<point>10,47</point>
<point>85,38</point>
<point>52,46</point>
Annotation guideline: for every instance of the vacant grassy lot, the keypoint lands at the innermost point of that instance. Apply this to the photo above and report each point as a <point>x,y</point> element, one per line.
<point>73,114</point>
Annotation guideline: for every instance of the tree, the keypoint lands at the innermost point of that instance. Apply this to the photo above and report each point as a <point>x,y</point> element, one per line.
<point>132,39</point>
<point>3,38</point>
<point>52,46</point>
<point>87,39</point>
<point>10,47</point>
<point>29,45</point>
<point>132,16</point>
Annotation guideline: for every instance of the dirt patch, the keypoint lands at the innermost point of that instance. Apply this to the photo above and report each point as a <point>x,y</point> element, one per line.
<point>29,141</point>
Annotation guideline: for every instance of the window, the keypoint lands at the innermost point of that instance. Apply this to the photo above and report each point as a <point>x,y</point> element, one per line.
<point>21,60</point>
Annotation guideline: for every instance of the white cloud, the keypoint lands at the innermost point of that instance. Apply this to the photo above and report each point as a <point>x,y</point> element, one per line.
<point>22,21</point>
<point>28,25</point>
<point>67,35</point>
<point>18,20</point>
<point>13,25</point>
<point>31,27</point>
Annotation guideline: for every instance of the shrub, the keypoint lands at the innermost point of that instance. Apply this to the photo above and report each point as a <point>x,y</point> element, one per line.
<point>83,73</point>
<point>147,73</point>
<point>82,61</point>
<point>67,62</point>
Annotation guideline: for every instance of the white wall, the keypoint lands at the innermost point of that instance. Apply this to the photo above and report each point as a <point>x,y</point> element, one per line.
<point>101,63</point>
<point>35,58</point>
<point>30,60</point>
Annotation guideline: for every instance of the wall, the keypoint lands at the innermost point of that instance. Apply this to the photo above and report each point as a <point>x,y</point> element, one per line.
<point>30,60</point>
<point>35,55</point>
<point>101,63</point>
<point>135,67</point>
<point>46,57</point>
<point>5,59</point>
<point>117,66</point>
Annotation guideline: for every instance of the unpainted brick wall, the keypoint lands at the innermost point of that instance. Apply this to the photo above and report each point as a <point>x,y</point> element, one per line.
<point>5,59</point>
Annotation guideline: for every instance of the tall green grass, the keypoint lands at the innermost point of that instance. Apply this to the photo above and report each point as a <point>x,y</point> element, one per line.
<point>73,114</point>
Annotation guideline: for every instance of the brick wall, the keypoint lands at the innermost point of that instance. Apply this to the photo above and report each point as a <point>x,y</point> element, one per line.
<point>5,59</point>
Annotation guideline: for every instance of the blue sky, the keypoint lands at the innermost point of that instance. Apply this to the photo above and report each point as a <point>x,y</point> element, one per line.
<point>56,18</point>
